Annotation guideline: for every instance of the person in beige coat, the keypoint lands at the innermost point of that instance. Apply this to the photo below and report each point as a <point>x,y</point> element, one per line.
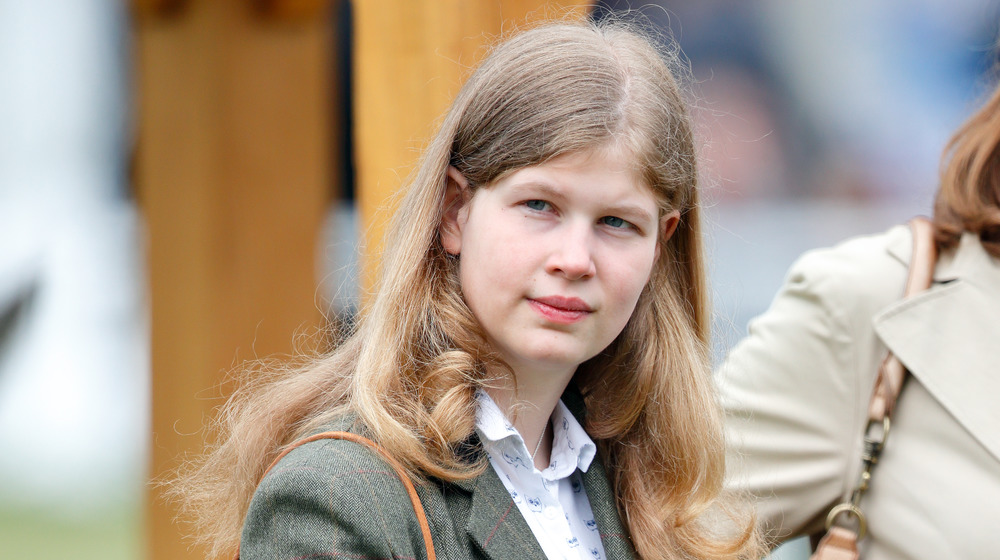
<point>796,390</point>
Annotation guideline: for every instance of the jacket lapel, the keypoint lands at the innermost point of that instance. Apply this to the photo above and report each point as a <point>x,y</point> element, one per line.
<point>949,338</point>
<point>614,537</point>
<point>495,524</point>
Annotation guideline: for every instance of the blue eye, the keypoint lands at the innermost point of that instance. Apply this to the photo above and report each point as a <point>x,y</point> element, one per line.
<point>614,222</point>
<point>539,205</point>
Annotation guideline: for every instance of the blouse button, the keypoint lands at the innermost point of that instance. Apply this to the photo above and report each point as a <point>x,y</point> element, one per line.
<point>550,512</point>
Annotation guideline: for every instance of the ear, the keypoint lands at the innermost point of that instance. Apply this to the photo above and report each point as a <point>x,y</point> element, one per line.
<point>456,195</point>
<point>668,225</point>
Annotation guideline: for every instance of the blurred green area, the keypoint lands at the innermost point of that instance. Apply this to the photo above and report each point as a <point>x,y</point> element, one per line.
<point>115,533</point>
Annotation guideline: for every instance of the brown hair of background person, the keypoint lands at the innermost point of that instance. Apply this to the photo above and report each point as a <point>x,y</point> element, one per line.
<point>969,196</point>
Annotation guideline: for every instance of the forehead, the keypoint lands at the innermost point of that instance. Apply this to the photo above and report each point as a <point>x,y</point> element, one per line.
<point>606,170</point>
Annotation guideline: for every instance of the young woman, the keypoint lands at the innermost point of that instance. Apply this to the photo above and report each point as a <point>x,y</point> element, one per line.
<point>534,354</point>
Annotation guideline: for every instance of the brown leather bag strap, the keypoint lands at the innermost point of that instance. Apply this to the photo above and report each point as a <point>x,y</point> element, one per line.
<point>841,542</point>
<point>418,508</point>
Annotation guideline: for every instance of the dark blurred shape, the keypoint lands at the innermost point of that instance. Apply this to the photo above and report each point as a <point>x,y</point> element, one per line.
<point>161,8</point>
<point>342,13</point>
<point>290,10</point>
<point>17,293</point>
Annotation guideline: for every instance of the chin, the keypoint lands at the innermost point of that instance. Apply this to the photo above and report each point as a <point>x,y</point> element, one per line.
<point>556,361</point>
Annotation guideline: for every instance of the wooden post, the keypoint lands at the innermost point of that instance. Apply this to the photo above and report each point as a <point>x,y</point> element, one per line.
<point>411,57</point>
<point>232,173</point>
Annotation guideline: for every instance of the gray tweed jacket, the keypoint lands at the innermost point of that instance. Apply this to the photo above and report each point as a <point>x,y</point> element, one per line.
<point>339,499</point>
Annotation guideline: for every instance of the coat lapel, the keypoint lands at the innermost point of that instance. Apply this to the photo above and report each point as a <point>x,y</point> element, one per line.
<point>949,338</point>
<point>495,524</point>
<point>614,537</point>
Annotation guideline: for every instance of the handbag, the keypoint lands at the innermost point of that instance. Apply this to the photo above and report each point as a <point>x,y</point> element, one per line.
<point>846,523</point>
<point>418,508</point>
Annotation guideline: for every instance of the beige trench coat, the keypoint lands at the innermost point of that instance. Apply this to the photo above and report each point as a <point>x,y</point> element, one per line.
<point>796,392</point>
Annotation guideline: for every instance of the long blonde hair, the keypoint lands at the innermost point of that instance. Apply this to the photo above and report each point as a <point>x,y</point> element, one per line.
<point>411,368</point>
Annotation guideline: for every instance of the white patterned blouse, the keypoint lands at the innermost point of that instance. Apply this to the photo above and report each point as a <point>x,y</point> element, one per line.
<point>552,501</point>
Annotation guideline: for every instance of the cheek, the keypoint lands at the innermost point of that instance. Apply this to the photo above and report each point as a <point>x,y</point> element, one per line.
<point>486,270</point>
<point>501,244</point>
<point>627,285</point>
<point>633,272</point>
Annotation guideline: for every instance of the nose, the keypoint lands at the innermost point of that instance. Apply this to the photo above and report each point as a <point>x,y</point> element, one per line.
<point>573,254</point>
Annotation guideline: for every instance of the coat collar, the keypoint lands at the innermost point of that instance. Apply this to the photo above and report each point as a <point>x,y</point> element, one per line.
<point>496,526</point>
<point>949,336</point>
<point>969,260</point>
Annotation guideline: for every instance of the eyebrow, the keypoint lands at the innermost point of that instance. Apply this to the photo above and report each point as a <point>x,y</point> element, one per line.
<point>537,187</point>
<point>633,212</point>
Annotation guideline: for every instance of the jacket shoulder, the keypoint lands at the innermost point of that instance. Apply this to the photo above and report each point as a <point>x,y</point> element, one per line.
<point>331,497</point>
<point>857,277</point>
<point>796,387</point>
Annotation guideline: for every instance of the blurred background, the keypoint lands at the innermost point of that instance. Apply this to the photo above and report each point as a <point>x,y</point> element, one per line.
<point>185,185</point>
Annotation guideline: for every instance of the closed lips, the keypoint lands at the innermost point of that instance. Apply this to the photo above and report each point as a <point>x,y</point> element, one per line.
<point>564,303</point>
<point>561,310</point>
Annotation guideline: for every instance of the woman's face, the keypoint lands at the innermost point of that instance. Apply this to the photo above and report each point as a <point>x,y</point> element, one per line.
<point>553,257</point>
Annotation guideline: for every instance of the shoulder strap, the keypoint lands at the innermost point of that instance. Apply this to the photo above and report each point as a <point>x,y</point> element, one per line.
<point>418,508</point>
<point>841,542</point>
<point>921,272</point>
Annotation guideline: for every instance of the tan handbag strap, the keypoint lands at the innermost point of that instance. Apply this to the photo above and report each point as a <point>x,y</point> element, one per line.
<point>919,277</point>
<point>418,508</point>
<point>841,542</point>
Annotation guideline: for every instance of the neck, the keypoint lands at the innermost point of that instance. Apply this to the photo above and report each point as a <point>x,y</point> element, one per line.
<point>530,407</point>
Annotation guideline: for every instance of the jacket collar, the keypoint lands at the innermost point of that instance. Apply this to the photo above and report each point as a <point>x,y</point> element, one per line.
<point>496,526</point>
<point>969,260</point>
<point>949,336</point>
